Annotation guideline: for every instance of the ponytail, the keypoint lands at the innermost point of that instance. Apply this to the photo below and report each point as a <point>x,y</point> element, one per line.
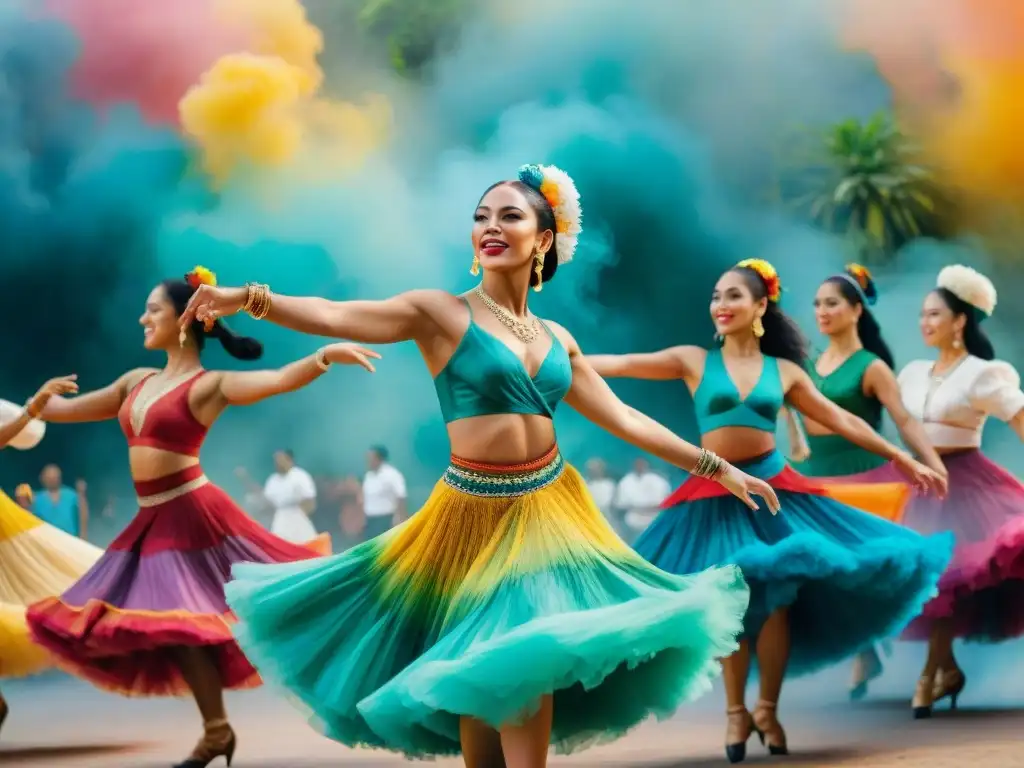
<point>238,346</point>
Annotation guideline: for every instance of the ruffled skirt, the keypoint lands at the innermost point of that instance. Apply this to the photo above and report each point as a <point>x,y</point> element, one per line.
<point>507,586</point>
<point>36,561</point>
<point>847,577</point>
<point>160,586</point>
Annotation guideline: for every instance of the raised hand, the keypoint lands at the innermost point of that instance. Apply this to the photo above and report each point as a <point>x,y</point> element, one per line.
<point>209,303</point>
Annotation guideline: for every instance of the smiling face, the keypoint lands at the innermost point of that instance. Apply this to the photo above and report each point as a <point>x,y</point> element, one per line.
<point>159,321</point>
<point>506,234</point>
<point>940,327</point>
<point>733,306</point>
<point>833,311</point>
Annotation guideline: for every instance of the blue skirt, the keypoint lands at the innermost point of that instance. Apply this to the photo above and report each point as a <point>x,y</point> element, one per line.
<point>847,577</point>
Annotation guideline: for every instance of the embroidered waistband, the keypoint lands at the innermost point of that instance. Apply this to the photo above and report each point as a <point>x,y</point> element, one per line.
<point>504,480</point>
<point>155,499</point>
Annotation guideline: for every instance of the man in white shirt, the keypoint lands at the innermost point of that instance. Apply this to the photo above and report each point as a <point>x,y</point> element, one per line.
<point>292,493</point>
<point>640,494</point>
<point>384,494</point>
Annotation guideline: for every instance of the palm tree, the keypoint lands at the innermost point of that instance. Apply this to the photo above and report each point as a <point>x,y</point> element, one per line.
<point>865,180</point>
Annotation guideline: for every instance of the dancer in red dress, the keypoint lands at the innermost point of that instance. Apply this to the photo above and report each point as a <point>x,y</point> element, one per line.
<point>149,619</point>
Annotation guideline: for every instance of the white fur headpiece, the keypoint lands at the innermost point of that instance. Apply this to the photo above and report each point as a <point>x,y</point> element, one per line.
<point>560,191</point>
<point>969,286</point>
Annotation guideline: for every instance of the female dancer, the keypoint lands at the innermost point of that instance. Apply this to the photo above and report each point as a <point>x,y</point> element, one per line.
<point>150,618</point>
<point>36,559</point>
<point>981,596</point>
<point>856,373</point>
<point>505,615</point>
<point>826,579</point>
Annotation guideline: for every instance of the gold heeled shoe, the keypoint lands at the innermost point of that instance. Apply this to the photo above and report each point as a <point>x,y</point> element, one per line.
<point>949,682</point>
<point>921,705</point>
<point>218,741</point>
<point>738,728</point>
<point>769,729</point>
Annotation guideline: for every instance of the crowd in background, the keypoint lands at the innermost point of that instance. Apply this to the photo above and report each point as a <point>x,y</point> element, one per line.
<point>298,506</point>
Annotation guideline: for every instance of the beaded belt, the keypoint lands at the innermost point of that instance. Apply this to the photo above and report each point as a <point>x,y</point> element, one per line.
<point>163,497</point>
<point>504,480</point>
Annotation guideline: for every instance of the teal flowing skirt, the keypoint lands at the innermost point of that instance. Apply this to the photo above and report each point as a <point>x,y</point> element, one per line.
<point>506,587</point>
<point>847,577</point>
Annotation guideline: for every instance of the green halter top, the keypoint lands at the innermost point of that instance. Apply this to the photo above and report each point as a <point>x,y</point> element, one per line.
<point>832,455</point>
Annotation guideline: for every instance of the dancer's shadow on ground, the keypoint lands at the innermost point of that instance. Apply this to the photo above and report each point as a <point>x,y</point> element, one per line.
<point>46,755</point>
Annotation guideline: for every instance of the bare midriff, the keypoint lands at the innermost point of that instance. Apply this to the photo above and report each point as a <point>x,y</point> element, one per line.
<point>149,463</point>
<point>736,444</point>
<point>508,438</point>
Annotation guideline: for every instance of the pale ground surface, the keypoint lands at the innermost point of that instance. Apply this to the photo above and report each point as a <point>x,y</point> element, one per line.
<point>60,723</point>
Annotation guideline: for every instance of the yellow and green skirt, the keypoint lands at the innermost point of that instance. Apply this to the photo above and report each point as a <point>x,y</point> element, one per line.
<point>36,561</point>
<point>507,586</point>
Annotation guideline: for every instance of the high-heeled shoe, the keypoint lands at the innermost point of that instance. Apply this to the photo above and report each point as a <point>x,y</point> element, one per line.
<point>949,682</point>
<point>218,741</point>
<point>737,731</point>
<point>866,667</point>
<point>769,729</point>
<point>921,705</point>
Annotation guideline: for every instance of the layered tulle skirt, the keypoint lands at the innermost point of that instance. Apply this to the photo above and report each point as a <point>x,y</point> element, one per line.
<point>160,586</point>
<point>508,585</point>
<point>36,561</point>
<point>846,577</point>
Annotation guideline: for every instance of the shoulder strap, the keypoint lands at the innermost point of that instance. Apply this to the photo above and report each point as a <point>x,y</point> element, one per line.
<point>469,307</point>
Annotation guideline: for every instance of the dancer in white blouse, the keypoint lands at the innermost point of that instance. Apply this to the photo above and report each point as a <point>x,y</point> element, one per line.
<point>981,595</point>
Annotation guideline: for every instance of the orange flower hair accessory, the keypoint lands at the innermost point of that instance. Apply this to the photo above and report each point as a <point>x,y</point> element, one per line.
<point>861,274</point>
<point>767,273</point>
<point>200,276</point>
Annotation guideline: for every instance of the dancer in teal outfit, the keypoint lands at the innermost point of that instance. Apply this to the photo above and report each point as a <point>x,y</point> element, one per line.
<point>505,615</point>
<point>856,373</point>
<point>825,578</point>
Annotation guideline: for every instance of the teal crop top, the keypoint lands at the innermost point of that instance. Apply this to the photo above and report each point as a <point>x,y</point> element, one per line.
<point>484,378</point>
<point>718,404</point>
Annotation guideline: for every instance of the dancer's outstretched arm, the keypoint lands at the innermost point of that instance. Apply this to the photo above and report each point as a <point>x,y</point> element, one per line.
<point>594,399</point>
<point>248,387</point>
<point>62,385</point>
<point>99,405</point>
<point>880,381</point>
<point>404,317</point>
<point>805,397</point>
<point>666,364</point>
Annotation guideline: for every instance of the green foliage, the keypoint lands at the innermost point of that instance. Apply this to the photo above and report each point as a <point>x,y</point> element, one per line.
<point>414,31</point>
<point>863,179</point>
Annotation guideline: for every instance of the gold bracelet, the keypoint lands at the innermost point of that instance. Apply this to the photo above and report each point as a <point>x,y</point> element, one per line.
<point>257,300</point>
<point>28,409</point>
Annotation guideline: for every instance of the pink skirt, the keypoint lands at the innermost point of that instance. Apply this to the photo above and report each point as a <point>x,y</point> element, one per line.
<point>982,591</point>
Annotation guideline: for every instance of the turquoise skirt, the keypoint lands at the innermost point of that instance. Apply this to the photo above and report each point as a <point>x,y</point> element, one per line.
<point>847,577</point>
<point>506,587</point>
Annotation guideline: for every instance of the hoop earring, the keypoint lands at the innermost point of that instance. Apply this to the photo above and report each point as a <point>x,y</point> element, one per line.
<point>475,268</point>
<point>538,268</point>
<point>757,327</point>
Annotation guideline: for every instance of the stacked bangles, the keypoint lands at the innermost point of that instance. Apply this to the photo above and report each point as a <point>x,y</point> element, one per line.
<point>257,300</point>
<point>709,465</point>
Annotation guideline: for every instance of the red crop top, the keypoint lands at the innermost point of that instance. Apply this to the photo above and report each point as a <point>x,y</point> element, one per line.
<point>162,419</point>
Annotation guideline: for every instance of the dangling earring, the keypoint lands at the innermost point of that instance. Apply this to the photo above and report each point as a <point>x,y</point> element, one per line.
<point>538,268</point>
<point>957,343</point>
<point>757,327</point>
<point>717,338</point>
<point>475,269</point>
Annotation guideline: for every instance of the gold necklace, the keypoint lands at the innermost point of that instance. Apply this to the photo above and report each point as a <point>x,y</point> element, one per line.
<point>526,331</point>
